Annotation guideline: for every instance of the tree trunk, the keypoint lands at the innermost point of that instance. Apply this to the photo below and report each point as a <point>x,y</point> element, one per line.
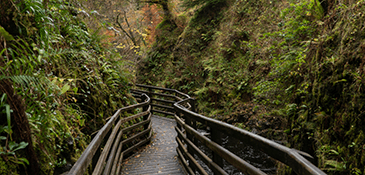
<point>20,124</point>
<point>19,120</point>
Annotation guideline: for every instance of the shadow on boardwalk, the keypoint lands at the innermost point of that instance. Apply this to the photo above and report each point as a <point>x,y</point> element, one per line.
<point>160,156</point>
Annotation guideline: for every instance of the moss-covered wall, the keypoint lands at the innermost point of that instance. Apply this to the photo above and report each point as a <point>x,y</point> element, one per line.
<point>291,70</point>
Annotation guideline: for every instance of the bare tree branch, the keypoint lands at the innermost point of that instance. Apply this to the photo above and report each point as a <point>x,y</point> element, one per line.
<point>129,33</point>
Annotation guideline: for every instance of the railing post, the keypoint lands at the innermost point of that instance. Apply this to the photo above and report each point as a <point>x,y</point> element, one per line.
<point>145,108</point>
<point>189,119</point>
<point>193,108</point>
<point>150,95</point>
<point>193,122</point>
<point>216,136</point>
<point>192,103</point>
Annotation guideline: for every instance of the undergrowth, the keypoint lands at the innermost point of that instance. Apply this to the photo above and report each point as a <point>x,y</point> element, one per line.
<point>67,79</point>
<point>292,69</point>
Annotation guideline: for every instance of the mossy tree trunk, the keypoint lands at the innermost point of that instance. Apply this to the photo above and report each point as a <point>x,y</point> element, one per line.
<point>20,124</point>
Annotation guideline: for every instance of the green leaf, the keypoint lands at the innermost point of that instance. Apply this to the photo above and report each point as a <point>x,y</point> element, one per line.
<point>7,107</point>
<point>1,53</point>
<point>2,138</point>
<point>39,58</point>
<point>12,145</point>
<point>75,90</point>
<point>334,152</point>
<point>24,160</point>
<point>82,122</point>
<point>65,88</point>
<point>3,97</point>
<point>336,165</point>
<point>22,145</point>
<point>338,81</point>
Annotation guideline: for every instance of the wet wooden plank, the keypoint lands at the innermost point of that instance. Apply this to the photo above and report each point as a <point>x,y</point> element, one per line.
<point>160,156</point>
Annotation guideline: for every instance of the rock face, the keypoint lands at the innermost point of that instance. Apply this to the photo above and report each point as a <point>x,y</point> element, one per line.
<point>251,119</point>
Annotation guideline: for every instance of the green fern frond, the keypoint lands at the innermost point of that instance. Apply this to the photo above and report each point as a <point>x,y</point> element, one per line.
<point>25,80</point>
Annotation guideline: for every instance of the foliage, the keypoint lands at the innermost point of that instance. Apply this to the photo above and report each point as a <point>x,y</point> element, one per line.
<point>68,78</point>
<point>298,64</point>
<point>7,151</point>
<point>129,26</point>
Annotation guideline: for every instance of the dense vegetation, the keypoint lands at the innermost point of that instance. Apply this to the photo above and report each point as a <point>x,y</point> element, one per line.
<point>59,81</point>
<point>290,70</point>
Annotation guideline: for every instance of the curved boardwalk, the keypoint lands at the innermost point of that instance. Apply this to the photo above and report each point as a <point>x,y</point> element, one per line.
<point>160,156</point>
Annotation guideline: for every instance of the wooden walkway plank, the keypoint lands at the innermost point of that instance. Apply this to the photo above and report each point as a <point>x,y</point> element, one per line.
<point>160,156</point>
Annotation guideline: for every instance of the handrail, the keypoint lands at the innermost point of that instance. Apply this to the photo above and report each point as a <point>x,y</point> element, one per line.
<point>182,107</point>
<point>166,99</point>
<point>284,154</point>
<point>163,89</point>
<point>113,148</point>
<point>291,157</point>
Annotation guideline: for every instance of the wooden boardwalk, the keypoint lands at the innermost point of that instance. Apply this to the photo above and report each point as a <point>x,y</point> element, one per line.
<point>160,156</point>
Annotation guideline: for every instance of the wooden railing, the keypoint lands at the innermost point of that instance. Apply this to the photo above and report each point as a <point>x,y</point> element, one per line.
<point>173,103</point>
<point>162,99</point>
<point>111,157</point>
<point>184,113</point>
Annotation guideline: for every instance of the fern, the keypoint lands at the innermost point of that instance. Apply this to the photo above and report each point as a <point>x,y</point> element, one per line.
<point>25,80</point>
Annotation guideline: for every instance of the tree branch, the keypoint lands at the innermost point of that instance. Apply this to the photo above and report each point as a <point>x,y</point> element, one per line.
<point>130,35</point>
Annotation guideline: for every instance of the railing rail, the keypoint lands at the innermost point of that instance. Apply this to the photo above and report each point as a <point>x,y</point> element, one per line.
<point>186,119</point>
<point>162,102</point>
<point>291,157</point>
<point>111,157</point>
<point>182,107</point>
